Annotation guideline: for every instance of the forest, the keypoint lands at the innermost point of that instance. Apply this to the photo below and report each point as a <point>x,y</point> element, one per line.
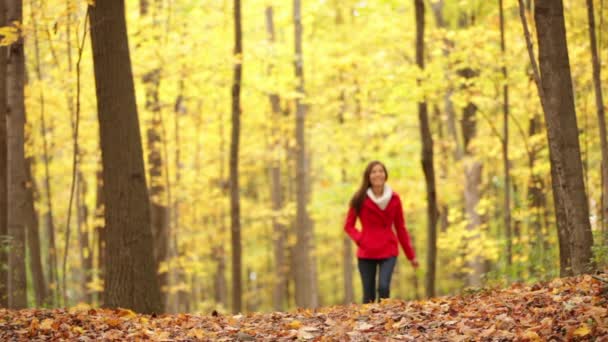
<point>188,156</point>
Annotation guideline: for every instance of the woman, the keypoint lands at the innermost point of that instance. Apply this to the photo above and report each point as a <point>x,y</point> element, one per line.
<point>379,210</point>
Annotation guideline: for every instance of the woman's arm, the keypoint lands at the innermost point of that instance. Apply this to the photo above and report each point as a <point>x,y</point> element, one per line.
<point>349,226</point>
<point>402,233</point>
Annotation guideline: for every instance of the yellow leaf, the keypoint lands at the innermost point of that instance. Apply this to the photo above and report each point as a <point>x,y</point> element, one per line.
<point>79,308</point>
<point>78,330</point>
<point>583,330</point>
<point>532,336</point>
<point>126,313</point>
<point>46,324</point>
<point>294,324</point>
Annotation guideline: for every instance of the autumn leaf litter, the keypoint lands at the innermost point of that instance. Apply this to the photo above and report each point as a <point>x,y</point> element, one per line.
<point>565,309</point>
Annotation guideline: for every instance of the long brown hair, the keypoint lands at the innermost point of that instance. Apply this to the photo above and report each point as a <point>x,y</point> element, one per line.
<point>357,200</point>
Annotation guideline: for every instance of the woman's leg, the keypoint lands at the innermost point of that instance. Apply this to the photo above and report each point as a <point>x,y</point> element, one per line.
<point>386,272</point>
<point>367,269</point>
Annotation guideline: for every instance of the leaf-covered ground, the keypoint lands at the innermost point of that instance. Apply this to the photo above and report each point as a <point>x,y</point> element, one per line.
<point>566,309</point>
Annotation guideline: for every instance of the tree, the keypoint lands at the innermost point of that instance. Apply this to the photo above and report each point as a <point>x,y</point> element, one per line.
<point>427,160</point>
<point>130,278</point>
<point>601,118</point>
<point>235,210</point>
<point>505,139</point>
<point>306,292</point>
<point>554,83</point>
<point>279,230</point>
<point>17,176</point>
<point>159,211</point>
<point>3,169</point>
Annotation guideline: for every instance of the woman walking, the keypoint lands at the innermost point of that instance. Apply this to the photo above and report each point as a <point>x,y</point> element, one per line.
<point>379,210</point>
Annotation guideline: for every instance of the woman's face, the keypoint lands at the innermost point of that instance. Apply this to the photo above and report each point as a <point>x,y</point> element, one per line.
<point>377,176</point>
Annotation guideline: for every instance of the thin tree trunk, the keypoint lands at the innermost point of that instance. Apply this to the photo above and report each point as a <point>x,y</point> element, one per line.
<point>278,294</point>
<point>3,169</point>
<point>235,210</point>
<point>48,215</point>
<point>601,118</point>
<point>219,253</point>
<point>100,230</point>
<point>33,238</point>
<point>567,176</point>
<point>17,176</point>
<point>427,161</point>
<point>130,279</point>
<point>505,141</point>
<point>305,286</point>
<point>159,211</point>
<point>86,255</point>
<point>51,257</point>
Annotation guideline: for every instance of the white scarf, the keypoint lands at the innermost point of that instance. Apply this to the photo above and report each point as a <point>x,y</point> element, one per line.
<point>383,200</point>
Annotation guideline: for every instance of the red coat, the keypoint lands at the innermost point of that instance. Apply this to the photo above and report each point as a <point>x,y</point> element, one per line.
<point>377,240</point>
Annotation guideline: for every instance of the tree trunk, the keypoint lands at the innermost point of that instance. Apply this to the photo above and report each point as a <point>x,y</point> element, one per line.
<point>159,210</point>
<point>427,161</point>
<point>86,255</point>
<point>570,199</point>
<point>472,173</point>
<point>130,279</point>
<point>219,253</point>
<point>304,277</point>
<point>3,169</point>
<point>17,175</point>
<point>505,142</point>
<point>601,119</point>
<point>235,210</point>
<point>100,229</point>
<point>33,239</point>
<point>278,294</point>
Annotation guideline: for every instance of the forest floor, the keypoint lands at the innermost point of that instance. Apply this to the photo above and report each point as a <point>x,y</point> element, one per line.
<point>564,309</point>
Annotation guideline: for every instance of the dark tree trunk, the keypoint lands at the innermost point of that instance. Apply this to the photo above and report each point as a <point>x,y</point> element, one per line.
<point>33,238</point>
<point>601,119</point>
<point>130,279</point>
<point>17,175</point>
<point>570,199</point>
<point>235,209</point>
<point>427,161</point>
<point>3,169</point>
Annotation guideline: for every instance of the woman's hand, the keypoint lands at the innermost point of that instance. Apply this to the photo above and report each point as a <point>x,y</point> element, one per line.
<point>414,263</point>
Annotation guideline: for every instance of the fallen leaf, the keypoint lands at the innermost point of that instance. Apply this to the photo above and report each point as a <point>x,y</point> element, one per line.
<point>582,330</point>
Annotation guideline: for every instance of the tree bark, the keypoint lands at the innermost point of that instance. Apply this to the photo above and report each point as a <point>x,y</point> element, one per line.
<point>235,210</point>
<point>86,255</point>
<point>570,199</point>
<point>3,169</point>
<point>33,239</point>
<point>304,277</point>
<point>100,230</point>
<point>472,174</point>
<point>278,294</point>
<point>427,161</point>
<point>130,279</point>
<point>17,176</point>
<point>601,119</point>
<point>505,141</point>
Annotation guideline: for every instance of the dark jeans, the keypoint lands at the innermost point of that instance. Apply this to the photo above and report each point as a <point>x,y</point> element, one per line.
<point>367,268</point>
